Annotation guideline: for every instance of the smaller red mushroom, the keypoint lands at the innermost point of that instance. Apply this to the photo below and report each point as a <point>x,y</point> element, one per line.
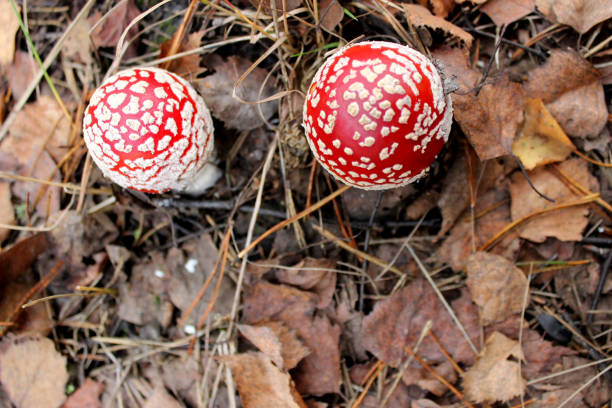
<point>147,129</point>
<point>376,115</point>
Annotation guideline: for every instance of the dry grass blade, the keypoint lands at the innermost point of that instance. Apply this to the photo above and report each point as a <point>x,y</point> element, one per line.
<point>371,376</point>
<point>581,188</point>
<point>583,386</point>
<point>364,255</point>
<point>221,258</point>
<point>293,219</point>
<point>448,307</point>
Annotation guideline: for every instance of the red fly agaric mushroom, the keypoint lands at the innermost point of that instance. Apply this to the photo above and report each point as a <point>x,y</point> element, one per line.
<point>147,129</point>
<point>376,115</point>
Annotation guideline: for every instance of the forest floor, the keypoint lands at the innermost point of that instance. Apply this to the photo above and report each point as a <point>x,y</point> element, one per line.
<point>484,284</point>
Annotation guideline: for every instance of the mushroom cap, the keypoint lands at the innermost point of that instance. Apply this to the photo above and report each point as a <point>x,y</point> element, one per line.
<point>147,129</point>
<point>376,115</point>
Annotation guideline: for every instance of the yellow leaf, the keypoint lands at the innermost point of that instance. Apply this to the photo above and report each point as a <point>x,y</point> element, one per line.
<point>541,140</point>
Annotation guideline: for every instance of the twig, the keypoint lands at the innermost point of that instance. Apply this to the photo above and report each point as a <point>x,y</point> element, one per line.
<point>364,255</point>
<point>605,269</point>
<point>293,219</point>
<point>533,187</point>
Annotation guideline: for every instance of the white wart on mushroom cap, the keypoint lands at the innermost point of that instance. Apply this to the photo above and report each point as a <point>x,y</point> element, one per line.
<point>376,115</point>
<point>147,129</point>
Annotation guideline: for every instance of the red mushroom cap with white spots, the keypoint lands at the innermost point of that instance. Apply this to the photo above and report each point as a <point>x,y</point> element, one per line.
<point>376,115</point>
<point>147,129</point>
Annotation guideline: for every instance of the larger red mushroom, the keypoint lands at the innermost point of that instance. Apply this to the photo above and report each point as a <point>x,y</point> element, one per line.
<point>147,129</point>
<point>376,115</point>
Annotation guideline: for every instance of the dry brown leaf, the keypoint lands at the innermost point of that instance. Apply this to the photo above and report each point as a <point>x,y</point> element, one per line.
<point>541,140</point>
<point>16,260</point>
<point>314,274</point>
<point>277,341</point>
<point>425,380</point>
<point>572,91</point>
<point>41,124</point>
<point>10,25</point>
<point>541,356</point>
<point>421,17</point>
<point>491,119</point>
<point>187,269</point>
<point>330,14</point>
<point>597,394</point>
<point>160,398</point>
<point>496,285</point>
<point>398,321</point>
<point>504,12</point>
<point>87,396</point>
<point>76,44</point>
<point>566,224</point>
<point>20,73</point>
<point>320,370</point>
<point>496,374</point>
<point>494,205</point>
<point>7,213</point>
<point>260,383</point>
<point>216,89</point>
<point>189,65</point>
<point>442,8</point>
<point>182,375</point>
<point>455,195</point>
<point>582,15</point>
<point>319,373</point>
<point>32,372</point>
<point>38,138</point>
<point>107,33</point>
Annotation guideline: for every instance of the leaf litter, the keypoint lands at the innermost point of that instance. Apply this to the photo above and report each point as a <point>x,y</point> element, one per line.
<point>304,322</point>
